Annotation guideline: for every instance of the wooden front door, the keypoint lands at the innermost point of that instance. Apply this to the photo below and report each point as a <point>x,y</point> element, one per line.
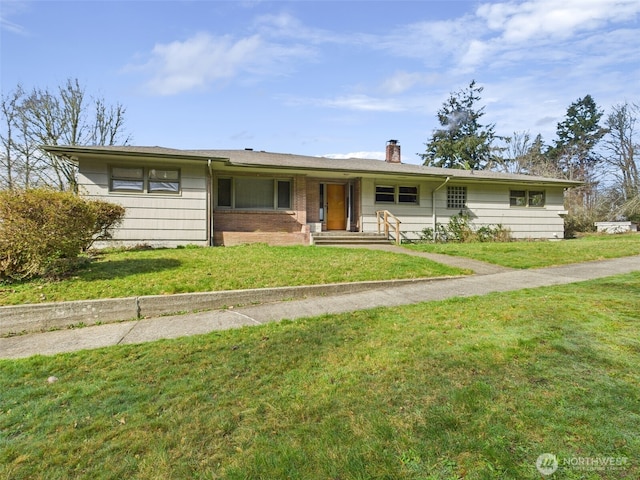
<point>336,207</point>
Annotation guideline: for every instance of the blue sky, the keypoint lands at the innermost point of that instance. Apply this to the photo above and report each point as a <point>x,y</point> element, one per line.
<point>323,77</point>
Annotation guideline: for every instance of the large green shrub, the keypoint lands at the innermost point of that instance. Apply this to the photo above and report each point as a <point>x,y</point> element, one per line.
<point>43,231</point>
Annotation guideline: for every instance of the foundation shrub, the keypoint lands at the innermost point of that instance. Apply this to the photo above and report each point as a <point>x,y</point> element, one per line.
<point>460,229</point>
<point>108,216</point>
<point>43,232</point>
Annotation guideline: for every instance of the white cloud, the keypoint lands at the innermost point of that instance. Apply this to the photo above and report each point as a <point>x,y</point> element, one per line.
<point>204,59</point>
<point>180,66</point>
<point>9,9</point>
<point>476,54</point>
<point>430,41</point>
<point>402,81</point>
<point>354,102</point>
<point>506,33</point>
<point>367,155</point>
<point>547,30</point>
<point>285,25</point>
<point>543,20</point>
<point>364,103</point>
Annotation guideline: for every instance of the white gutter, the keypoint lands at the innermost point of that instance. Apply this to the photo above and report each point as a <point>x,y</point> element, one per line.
<point>433,208</point>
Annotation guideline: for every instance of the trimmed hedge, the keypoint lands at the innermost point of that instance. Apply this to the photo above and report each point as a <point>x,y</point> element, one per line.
<point>42,232</point>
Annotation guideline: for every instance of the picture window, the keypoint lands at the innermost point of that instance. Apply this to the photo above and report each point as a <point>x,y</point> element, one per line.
<point>254,193</point>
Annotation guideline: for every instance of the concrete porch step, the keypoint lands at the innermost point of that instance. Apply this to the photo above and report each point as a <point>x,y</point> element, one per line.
<point>349,238</point>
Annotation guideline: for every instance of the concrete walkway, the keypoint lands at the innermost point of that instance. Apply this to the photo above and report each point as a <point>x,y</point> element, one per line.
<point>488,279</point>
<point>478,267</point>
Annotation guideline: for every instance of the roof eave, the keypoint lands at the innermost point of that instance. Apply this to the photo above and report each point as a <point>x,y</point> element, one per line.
<point>71,152</point>
<point>441,176</point>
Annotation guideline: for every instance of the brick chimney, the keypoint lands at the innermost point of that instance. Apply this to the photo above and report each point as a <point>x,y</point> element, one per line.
<point>393,152</point>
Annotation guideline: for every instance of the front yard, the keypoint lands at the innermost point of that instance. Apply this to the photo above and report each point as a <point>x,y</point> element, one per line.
<point>185,270</point>
<point>468,388</point>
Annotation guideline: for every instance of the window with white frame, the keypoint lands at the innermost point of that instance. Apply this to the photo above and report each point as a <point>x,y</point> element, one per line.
<point>127,179</point>
<point>385,194</point>
<point>165,181</point>
<point>401,194</point>
<point>456,197</point>
<point>254,193</point>
<point>144,180</point>
<point>526,198</point>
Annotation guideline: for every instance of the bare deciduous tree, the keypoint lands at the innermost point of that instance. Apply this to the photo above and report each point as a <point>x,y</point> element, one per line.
<point>621,148</point>
<point>524,155</point>
<point>8,160</point>
<point>64,117</point>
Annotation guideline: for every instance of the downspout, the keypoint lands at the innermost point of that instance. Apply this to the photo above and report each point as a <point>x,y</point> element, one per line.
<point>209,205</point>
<point>434,218</point>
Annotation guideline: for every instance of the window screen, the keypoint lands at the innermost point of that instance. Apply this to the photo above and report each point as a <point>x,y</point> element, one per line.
<point>164,181</point>
<point>127,179</point>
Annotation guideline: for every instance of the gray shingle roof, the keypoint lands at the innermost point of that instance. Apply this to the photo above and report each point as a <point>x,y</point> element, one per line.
<point>261,159</point>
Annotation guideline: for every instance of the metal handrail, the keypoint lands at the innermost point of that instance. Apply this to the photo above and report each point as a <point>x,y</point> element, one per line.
<point>383,216</point>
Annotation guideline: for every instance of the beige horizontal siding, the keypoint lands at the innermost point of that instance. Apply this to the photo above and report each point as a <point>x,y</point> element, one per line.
<point>154,219</point>
<point>488,205</point>
<point>414,218</point>
<point>148,235</point>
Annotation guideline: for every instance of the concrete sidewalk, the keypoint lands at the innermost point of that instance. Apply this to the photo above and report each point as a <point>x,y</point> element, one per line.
<point>145,330</point>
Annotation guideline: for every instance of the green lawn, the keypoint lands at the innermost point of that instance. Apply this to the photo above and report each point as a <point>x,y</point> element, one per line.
<point>541,254</point>
<point>167,271</point>
<point>473,388</point>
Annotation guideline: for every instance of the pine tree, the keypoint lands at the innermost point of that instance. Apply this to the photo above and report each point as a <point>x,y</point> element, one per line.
<point>462,142</point>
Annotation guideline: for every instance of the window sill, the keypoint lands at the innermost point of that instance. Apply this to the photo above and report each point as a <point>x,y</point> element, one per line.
<point>397,204</point>
<point>145,194</point>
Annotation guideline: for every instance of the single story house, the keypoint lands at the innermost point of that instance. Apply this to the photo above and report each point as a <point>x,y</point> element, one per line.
<point>229,197</point>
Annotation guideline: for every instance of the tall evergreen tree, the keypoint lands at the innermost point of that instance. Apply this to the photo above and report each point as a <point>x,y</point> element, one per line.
<point>578,134</point>
<point>462,142</point>
<point>574,150</point>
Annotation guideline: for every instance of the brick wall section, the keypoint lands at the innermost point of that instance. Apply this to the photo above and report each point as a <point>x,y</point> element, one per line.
<point>313,200</point>
<point>275,227</point>
<point>231,239</point>
<point>300,199</point>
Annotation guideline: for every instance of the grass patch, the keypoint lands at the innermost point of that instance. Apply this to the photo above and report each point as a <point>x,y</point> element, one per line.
<point>521,254</point>
<point>185,270</point>
<point>473,388</point>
